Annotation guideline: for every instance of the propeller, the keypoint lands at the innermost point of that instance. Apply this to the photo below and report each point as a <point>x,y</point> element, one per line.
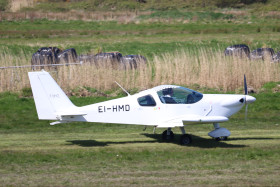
<point>247,99</point>
<point>246,93</point>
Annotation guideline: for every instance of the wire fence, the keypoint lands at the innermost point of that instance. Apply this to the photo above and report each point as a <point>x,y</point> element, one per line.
<point>43,65</point>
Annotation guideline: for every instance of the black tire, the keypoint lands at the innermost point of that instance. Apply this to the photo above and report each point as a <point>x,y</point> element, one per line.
<point>222,138</point>
<point>167,137</point>
<point>185,139</point>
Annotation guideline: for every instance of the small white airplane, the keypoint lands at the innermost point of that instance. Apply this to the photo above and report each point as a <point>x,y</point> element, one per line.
<point>165,106</point>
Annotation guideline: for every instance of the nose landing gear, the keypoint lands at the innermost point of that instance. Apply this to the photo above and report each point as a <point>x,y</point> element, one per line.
<point>219,133</point>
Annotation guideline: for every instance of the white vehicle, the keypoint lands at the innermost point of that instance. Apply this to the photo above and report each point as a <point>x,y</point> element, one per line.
<point>165,106</point>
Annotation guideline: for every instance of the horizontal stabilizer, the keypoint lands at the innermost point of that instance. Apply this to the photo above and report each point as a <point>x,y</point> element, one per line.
<point>71,114</point>
<point>66,117</point>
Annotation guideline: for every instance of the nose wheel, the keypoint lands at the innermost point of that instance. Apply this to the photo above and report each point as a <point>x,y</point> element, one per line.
<point>222,138</point>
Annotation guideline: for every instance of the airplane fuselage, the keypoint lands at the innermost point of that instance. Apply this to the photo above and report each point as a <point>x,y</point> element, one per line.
<point>127,110</point>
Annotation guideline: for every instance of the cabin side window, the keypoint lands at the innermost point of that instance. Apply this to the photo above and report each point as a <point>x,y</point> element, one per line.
<point>146,100</point>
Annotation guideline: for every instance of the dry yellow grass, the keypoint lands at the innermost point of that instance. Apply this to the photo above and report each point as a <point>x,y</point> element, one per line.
<point>207,69</point>
<point>16,5</point>
<point>213,70</point>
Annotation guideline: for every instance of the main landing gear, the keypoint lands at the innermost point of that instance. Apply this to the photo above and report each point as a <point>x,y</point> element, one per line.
<point>219,134</point>
<point>168,135</point>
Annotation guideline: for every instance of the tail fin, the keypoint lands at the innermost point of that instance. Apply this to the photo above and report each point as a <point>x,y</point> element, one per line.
<point>50,100</point>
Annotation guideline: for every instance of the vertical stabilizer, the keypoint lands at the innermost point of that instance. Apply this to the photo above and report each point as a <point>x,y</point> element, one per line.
<point>50,100</point>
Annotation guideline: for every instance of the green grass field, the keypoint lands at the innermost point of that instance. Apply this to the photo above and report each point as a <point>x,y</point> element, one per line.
<point>33,153</point>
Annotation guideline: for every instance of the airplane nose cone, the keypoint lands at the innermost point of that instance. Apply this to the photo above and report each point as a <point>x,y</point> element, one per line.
<point>250,99</point>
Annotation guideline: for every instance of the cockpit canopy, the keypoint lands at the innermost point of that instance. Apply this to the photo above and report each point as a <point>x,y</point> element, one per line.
<point>179,95</point>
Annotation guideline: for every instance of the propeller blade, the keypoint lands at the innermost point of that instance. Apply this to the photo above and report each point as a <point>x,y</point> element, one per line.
<point>245,85</point>
<point>246,93</point>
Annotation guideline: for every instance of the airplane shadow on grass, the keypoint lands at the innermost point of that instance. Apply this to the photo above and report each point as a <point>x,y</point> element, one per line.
<point>251,138</point>
<point>197,142</point>
<point>94,143</point>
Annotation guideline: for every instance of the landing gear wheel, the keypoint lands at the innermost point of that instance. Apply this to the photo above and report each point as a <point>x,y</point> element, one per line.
<point>167,137</point>
<point>185,139</point>
<point>222,138</point>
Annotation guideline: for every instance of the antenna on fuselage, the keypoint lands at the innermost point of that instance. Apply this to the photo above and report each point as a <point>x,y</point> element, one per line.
<point>122,88</point>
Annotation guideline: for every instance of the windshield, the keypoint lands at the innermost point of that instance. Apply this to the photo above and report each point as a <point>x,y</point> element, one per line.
<point>179,95</point>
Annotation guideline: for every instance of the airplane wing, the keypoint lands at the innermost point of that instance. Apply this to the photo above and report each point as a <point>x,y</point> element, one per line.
<point>191,119</point>
<point>204,119</point>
